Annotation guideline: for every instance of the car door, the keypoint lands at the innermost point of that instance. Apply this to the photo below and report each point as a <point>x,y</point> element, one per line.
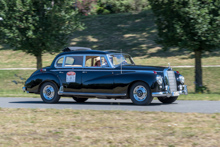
<point>97,77</point>
<point>69,70</point>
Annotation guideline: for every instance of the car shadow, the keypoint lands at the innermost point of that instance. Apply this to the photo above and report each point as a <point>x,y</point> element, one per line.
<point>90,103</point>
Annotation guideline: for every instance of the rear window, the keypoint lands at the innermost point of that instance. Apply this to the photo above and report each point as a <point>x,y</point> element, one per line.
<point>73,61</point>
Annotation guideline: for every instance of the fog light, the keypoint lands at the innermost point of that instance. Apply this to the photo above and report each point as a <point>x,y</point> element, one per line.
<point>180,87</point>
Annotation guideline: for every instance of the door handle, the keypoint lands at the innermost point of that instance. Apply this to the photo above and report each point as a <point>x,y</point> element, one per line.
<point>84,72</point>
<point>60,72</point>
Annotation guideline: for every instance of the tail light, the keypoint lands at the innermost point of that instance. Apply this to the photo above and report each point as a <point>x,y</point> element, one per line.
<point>43,70</point>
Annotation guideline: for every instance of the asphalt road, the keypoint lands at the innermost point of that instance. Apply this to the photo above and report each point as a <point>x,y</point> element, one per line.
<point>102,104</point>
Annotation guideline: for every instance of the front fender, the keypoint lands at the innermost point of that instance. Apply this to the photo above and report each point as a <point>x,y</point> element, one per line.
<point>34,82</point>
<point>124,80</point>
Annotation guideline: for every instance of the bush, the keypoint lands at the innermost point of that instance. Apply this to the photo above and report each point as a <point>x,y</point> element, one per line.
<point>121,6</point>
<point>86,7</point>
<point>111,6</point>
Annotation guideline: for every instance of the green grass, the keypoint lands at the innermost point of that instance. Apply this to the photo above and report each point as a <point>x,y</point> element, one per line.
<point>133,33</point>
<point>206,97</point>
<point>211,78</point>
<point>9,88</point>
<point>52,127</point>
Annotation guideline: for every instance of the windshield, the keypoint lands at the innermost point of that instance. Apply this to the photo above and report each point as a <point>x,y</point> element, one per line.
<point>118,59</point>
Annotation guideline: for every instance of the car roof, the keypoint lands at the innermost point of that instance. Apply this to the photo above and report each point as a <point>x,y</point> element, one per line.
<point>84,52</point>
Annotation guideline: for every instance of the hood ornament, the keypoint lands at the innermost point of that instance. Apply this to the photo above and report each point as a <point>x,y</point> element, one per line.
<point>169,66</point>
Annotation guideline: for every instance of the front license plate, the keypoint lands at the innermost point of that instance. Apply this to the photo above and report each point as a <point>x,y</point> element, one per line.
<point>176,93</point>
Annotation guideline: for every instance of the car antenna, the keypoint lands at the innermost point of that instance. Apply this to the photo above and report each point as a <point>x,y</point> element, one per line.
<point>121,61</point>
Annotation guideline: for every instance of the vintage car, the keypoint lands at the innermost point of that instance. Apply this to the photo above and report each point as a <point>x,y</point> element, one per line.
<point>82,73</point>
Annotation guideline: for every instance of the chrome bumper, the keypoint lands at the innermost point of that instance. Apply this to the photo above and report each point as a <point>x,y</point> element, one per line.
<point>169,94</point>
<point>24,89</point>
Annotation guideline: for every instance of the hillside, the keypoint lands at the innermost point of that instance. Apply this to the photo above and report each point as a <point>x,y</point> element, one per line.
<point>133,33</point>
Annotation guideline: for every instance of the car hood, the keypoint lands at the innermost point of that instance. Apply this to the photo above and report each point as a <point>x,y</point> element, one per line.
<point>140,67</point>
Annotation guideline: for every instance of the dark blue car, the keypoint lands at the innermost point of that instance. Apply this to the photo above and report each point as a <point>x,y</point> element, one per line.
<point>83,73</point>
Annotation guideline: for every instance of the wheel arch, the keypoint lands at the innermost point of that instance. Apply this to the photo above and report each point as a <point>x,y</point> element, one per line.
<point>52,81</point>
<point>129,87</point>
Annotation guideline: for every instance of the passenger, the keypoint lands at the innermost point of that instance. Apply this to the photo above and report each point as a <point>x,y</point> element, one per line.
<point>97,61</point>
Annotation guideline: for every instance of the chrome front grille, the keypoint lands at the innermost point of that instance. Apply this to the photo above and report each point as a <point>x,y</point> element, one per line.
<point>172,81</point>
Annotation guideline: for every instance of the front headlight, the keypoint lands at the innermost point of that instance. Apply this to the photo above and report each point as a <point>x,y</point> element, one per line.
<point>159,79</point>
<point>182,79</point>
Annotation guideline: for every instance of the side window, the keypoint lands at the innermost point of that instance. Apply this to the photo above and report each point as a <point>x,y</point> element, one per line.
<point>73,61</point>
<point>96,61</point>
<point>104,62</point>
<point>89,61</point>
<point>59,62</point>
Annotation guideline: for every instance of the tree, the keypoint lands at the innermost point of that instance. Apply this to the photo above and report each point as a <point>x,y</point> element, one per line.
<point>190,24</point>
<point>37,26</point>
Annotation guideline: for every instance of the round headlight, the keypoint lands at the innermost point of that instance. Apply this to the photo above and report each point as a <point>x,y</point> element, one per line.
<point>159,79</point>
<point>182,79</point>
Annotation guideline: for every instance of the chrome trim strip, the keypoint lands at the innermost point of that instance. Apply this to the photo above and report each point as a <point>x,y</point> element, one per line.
<point>91,94</point>
<point>102,70</point>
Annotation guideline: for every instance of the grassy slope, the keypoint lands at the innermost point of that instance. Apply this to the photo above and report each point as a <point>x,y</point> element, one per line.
<point>51,127</point>
<point>133,33</point>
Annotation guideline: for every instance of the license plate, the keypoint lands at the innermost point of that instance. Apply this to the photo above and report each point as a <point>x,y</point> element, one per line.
<point>176,93</point>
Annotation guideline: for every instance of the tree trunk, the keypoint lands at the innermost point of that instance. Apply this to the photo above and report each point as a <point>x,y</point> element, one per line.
<point>39,61</point>
<point>198,71</point>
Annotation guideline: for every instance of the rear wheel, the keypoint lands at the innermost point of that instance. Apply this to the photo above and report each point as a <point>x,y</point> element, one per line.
<point>167,100</point>
<point>140,94</point>
<point>49,93</point>
<point>80,100</point>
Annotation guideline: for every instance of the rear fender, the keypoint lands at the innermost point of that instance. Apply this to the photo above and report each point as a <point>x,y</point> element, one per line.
<point>34,83</point>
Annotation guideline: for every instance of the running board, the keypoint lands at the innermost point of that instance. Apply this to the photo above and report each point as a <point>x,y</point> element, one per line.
<point>92,94</point>
<point>61,92</point>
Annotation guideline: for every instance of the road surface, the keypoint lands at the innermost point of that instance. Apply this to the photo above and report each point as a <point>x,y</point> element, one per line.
<point>102,104</point>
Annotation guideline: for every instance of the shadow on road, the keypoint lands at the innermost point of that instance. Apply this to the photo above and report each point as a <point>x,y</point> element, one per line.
<point>89,103</point>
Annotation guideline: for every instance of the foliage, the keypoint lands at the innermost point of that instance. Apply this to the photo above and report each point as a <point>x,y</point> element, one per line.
<point>121,6</point>
<point>110,6</point>
<point>194,25</point>
<point>203,89</point>
<point>188,24</point>
<point>86,7</point>
<point>36,27</point>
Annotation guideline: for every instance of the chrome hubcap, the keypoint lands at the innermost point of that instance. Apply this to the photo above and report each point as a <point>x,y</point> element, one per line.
<point>48,92</point>
<point>140,93</point>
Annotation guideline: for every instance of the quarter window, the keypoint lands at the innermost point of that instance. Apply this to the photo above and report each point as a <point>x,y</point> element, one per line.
<point>59,62</point>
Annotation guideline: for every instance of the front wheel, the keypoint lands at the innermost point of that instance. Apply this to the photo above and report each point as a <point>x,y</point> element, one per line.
<point>49,93</point>
<point>140,94</point>
<point>80,100</point>
<point>167,100</point>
